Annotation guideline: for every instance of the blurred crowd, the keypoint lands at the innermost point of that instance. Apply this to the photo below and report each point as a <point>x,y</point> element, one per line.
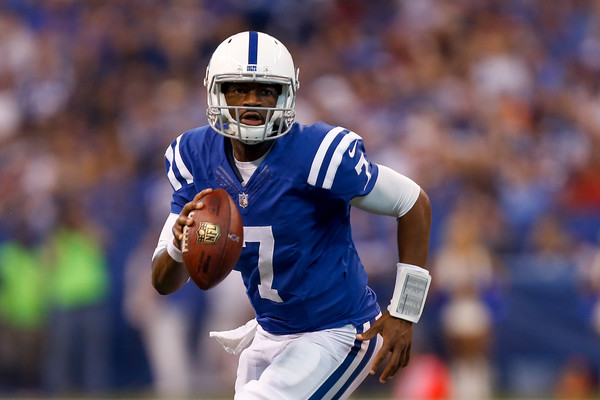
<point>492,106</point>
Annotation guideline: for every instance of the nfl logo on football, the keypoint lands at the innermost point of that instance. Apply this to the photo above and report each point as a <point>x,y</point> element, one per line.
<point>243,200</point>
<point>208,233</point>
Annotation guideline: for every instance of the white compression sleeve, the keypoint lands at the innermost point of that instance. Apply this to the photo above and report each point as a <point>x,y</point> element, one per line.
<point>393,194</point>
<point>166,235</point>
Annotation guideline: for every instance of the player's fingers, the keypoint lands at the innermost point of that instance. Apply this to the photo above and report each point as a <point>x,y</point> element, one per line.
<point>405,357</point>
<point>195,204</point>
<point>387,374</point>
<point>381,355</point>
<point>392,366</point>
<point>185,211</point>
<point>177,228</point>
<point>184,219</point>
<point>201,194</point>
<point>371,332</point>
<point>189,220</point>
<point>368,334</point>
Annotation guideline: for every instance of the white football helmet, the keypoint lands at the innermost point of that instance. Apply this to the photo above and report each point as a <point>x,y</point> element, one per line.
<point>251,57</point>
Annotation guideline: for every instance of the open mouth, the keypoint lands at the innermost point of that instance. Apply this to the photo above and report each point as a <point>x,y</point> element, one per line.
<point>252,118</point>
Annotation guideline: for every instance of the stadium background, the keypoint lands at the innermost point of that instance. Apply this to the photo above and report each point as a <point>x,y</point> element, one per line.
<point>493,106</point>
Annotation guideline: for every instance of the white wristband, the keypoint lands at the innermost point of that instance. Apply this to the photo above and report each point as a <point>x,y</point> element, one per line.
<point>174,252</point>
<point>410,292</point>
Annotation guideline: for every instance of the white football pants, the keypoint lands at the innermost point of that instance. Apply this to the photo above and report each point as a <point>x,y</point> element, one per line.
<point>328,364</point>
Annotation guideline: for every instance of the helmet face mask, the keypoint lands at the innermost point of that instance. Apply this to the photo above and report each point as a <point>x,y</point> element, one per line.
<point>251,57</point>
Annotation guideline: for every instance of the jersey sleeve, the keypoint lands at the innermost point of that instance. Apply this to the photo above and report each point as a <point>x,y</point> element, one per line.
<point>341,165</point>
<point>179,175</point>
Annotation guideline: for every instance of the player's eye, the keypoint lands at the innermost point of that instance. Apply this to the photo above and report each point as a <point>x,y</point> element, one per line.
<point>269,92</point>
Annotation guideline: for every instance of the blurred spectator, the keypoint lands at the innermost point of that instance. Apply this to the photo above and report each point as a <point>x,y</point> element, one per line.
<point>545,287</point>
<point>589,281</point>
<point>22,312</point>
<point>464,268</point>
<point>551,247</point>
<point>77,359</point>
<point>583,190</point>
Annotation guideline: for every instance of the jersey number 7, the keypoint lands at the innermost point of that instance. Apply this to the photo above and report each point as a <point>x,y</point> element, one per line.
<point>263,235</point>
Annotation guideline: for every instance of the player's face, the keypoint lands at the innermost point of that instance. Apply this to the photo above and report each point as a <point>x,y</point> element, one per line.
<point>251,94</point>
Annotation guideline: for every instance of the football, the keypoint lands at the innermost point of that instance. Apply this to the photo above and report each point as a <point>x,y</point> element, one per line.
<point>212,245</point>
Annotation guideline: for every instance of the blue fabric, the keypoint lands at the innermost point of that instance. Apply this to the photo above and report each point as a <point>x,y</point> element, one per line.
<point>297,232</point>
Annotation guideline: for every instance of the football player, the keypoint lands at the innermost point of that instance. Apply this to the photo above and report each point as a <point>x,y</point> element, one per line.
<point>318,329</point>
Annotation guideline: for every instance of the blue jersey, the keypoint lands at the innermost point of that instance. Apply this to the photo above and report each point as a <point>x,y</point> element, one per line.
<point>299,263</point>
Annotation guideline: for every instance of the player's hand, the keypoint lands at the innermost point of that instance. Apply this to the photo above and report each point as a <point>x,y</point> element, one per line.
<point>184,219</point>
<point>397,340</point>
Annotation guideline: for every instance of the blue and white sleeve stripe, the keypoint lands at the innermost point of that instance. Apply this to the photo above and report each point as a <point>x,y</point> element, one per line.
<point>177,172</point>
<point>336,159</point>
<point>330,165</point>
<point>317,163</point>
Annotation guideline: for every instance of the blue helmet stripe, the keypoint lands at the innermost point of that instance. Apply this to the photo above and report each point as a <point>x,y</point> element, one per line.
<point>253,48</point>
